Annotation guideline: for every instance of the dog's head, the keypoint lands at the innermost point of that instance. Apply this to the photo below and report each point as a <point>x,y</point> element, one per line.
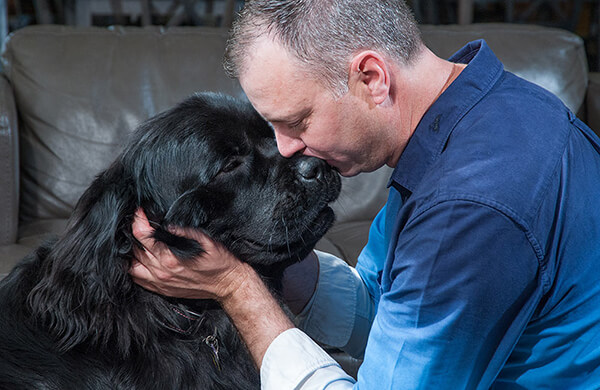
<point>209,163</point>
<point>212,163</point>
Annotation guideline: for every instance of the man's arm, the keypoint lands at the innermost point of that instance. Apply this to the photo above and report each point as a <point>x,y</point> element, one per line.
<point>459,292</point>
<point>255,313</point>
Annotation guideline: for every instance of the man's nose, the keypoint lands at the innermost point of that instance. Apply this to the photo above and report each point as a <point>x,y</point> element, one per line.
<point>288,145</point>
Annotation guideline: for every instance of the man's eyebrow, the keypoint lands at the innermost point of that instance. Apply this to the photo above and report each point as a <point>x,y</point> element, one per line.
<point>296,117</point>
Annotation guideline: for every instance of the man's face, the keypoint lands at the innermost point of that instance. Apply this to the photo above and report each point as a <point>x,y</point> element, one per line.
<point>306,117</point>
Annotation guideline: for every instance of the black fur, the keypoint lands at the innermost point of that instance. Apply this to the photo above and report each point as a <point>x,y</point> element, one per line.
<point>70,315</point>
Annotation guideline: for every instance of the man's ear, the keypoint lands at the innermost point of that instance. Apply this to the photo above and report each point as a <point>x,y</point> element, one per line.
<point>369,76</point>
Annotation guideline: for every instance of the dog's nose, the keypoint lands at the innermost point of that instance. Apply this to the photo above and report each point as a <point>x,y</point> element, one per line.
<point>310,168</point>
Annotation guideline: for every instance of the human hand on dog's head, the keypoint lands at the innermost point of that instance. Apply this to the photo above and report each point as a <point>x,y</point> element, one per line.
<point>215,274</point>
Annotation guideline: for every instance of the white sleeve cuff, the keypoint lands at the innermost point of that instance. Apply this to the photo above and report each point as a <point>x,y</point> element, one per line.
<point>294,361</point>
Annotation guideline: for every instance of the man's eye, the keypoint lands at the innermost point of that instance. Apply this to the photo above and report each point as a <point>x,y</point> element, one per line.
<point>298,125</point>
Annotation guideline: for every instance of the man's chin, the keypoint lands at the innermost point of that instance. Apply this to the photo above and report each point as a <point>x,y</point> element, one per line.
<point>348,171</point>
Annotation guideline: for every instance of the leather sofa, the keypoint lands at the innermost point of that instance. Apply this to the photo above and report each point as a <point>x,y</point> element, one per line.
<point>70,96</point>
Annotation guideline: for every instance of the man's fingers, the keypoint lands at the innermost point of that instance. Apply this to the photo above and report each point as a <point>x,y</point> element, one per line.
<point>141,229</point>
<point>139,272</point>
<point>143,232</point>
<point>144,277</point>
<point>160,265</point>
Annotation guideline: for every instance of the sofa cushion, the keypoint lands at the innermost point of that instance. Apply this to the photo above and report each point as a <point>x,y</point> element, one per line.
<point>552,58</point>
<point>593,102</point>
<point>10,254</point>
<point>9,163</point>
<point>80,92</point>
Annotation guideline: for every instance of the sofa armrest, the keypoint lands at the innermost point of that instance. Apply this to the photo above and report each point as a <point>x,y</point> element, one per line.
<point>9,165</point>
<point>593,102</point>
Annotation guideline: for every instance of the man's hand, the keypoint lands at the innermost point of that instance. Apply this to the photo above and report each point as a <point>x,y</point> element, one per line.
<point>214,275</point>
<point>217,274</point>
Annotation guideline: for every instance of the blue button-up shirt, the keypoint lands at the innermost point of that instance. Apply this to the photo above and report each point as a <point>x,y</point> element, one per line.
<point>485,263</point>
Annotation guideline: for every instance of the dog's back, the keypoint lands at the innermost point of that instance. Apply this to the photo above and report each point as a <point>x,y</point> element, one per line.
<point>28,359</point>
<point>31,359</point>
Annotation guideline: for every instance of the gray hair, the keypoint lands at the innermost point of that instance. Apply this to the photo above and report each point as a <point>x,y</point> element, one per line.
<point>325,34</point>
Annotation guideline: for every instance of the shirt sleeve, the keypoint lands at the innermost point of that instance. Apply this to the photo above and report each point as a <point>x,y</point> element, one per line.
<point>371,259</point>
<point>294,361</point>
<point>457,292</point>
<point>455,299</point>
<point>345,326</point>
<point>374,255</point>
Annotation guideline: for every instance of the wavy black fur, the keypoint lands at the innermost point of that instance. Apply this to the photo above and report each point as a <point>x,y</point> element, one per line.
<point>70,315</point>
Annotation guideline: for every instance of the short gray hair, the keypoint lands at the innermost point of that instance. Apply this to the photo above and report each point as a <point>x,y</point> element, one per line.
<point>325,34</point>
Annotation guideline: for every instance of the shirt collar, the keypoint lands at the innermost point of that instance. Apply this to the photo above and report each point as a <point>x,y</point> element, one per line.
<point>430,137</point>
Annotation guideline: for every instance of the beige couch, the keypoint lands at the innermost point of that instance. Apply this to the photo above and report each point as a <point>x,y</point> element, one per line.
<point>69,97</point>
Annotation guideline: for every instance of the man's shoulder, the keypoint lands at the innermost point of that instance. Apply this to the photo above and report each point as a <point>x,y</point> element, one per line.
<point>505,150</point>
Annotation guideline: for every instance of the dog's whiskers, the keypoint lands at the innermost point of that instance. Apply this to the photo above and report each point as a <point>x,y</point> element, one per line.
<point>287,237</point>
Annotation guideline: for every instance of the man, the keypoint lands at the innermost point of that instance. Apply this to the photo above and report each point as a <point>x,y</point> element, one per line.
<point>483,268</point>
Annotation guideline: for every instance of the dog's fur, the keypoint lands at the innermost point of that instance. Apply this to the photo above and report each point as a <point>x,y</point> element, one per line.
<point>70,315</point>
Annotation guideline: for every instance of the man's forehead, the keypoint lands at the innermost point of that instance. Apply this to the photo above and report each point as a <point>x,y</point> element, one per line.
<point>279,103</point>
<point>275,83</point>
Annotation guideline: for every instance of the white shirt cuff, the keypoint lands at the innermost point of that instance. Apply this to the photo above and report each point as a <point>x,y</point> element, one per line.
<point>295,361</point>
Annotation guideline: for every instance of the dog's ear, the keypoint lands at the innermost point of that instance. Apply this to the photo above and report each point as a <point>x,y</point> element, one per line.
<point>182,247</point>
<point>191,209</point>
<point>188,210</point>
<point>84,276</point>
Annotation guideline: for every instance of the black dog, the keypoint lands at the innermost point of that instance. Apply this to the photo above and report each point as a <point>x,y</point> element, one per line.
<point>70,315</point>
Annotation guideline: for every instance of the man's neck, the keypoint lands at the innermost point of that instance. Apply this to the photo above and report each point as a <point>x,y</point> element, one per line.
<point>432,76</point>
<point>417,87</point>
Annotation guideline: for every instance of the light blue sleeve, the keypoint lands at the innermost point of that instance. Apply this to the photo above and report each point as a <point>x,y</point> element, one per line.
<point>454,301</point>
<point>373,257</point>
<point>342,309</point>
<point>370,261</point>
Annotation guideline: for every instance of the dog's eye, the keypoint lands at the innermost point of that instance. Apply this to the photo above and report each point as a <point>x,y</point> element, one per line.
<point>231,165</point>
